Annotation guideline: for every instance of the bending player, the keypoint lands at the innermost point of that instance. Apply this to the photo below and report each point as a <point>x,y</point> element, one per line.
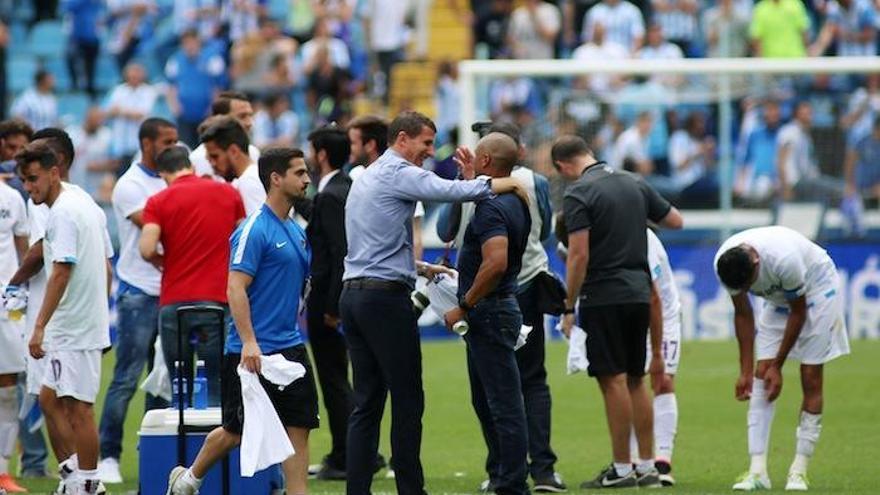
<point>802,318</point>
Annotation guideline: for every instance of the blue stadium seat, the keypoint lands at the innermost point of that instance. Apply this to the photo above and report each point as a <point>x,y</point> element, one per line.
<point>73,107</point>
<point>58,68</point>
<point>106,72</point>
<point>20,72</point>
<point>47,39</point>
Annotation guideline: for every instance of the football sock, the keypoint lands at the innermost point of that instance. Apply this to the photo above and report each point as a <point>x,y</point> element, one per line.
<point>760,417</point>
<point>623,468</point>
<point>665,425</point>
<point>89,480</point>
<point>8,425</point>
<point>644,466</point>
<point>808,430</point>
<point>633,446</point>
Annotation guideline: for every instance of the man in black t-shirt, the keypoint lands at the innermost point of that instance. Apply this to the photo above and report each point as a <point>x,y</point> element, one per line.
<point>606,212</point>
<point>489,262</point>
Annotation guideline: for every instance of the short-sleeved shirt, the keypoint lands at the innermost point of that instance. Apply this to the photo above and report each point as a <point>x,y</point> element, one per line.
<point>860,15</point>
<point>196,216</point>
<point>13,223</point>
<point>501,216</point>
<point>623,23</point>
<point>524,29</point>
<point>253,194</point>
<point>76,234</point>
<point>130,195</point>
<point>195,79</point>
<point>615,207</point>
<point>661,274</point>
<point>786,261</point>
<point>779,27</point>
<point>276,254</point>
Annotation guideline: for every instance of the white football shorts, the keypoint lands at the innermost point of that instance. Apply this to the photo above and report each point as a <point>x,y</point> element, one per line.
<point>671,346</point>
<point>12,359</point>
<point>75,374</point>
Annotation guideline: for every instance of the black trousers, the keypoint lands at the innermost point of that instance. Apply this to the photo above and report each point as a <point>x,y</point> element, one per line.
<point>331,365</point>
<point>383,342</point>
<point>536,396</point>
<point>87,51</point>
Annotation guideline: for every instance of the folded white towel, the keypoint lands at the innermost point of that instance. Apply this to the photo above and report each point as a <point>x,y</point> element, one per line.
<point>577,351</point>
<point>264,440</point>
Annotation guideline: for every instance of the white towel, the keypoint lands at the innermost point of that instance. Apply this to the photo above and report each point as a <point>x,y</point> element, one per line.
<point>577,351</point>
<point>264,440</point>
<point>442,291</point>
<point>158,383</point>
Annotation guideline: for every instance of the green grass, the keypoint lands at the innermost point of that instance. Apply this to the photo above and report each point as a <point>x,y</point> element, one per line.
<point>711,445</point>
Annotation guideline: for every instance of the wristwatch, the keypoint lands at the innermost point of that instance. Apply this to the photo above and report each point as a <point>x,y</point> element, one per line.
<point>464,305</point>
<point>568,311</point>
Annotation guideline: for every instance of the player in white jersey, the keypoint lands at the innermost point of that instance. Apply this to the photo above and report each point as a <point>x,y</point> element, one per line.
<point>13,245</point>
<point>665,402</point>
<point>72,323</point>
<point>801,317</point>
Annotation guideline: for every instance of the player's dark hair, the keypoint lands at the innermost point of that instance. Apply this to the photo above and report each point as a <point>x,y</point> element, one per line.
<point>372,128</point>
<point>226,132</point>
<point>151,127</point>
<point>222,105</point>
<point>334,141</point>
<point>173,159</point>
<point>410,123</point>
<point>568,147</point>
<point>276,160</point>
<point>15,127</point>
<point>41,75</point>
<point>735,268</point>
<point>59,141</point>
<point>39,152</point>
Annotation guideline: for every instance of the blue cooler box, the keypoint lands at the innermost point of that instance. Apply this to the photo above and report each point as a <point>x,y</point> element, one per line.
<point>158,455</point>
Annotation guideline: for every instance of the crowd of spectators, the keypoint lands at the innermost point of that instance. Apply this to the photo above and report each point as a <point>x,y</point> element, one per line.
<point>304,62</point>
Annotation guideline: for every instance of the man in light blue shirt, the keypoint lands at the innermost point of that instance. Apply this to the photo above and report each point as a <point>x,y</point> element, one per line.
<point>377,315</point>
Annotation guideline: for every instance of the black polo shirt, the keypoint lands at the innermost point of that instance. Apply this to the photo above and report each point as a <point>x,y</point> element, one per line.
<point>614,205</point>
<point>504,215</point>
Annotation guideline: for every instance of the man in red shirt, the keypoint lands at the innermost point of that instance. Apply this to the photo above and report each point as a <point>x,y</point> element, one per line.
<point>192,219</point>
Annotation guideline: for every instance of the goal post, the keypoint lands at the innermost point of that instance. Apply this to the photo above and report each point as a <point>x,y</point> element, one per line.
<point>729,80</point>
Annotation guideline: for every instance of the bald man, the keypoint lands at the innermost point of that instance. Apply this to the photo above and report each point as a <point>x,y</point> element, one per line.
<point>489,262</point>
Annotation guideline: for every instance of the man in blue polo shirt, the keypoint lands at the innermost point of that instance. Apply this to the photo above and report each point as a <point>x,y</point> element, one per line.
<point>267,271</point>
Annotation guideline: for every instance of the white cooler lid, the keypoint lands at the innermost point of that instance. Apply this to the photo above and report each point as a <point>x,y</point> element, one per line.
<point>164,421</point>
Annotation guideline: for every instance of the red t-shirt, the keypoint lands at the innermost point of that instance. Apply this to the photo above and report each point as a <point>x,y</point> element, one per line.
<point>197,217</point>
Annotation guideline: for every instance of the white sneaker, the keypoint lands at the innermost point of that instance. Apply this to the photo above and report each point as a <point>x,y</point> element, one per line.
<point>108,471</point>
<point>751,482</point>
<point>177,486</point>
<point>797,482</point>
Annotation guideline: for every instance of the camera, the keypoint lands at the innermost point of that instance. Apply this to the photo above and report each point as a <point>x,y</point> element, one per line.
<point>481,127</point>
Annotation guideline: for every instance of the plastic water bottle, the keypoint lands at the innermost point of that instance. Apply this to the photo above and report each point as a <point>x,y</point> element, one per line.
<point>461,327</point>
<point>178,389</point>
<point>200,387</point>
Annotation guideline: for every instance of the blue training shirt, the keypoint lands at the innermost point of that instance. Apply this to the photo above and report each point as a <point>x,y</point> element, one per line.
<point>276,254</point>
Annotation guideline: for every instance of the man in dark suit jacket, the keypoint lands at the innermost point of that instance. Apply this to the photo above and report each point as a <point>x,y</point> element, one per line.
<point>326,233</point>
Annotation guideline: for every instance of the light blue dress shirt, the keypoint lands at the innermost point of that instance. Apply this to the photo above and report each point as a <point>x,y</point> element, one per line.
<point>379,211</point>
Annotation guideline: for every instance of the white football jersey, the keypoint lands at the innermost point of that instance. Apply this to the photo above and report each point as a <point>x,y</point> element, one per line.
<point>77,233</point>
<point>662,275</point>
<point>788,263</point>
<point>13,223</point>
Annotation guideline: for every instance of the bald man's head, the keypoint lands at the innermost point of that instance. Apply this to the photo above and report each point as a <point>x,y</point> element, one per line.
<point>496,155</point>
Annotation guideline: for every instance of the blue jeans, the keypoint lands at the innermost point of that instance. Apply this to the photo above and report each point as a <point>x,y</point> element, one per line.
<point>496,391</point>
<point>138,322</point>
<point>33,445</point>
<point>202,330</point>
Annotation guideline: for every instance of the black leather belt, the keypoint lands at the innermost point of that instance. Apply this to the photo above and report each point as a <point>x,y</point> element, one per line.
<point>375,284</point>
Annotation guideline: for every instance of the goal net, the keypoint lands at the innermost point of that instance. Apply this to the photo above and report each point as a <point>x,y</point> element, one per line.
<point>707,133</point>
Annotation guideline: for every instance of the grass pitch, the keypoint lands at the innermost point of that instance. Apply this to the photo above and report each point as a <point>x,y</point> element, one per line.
<point>710,450</point>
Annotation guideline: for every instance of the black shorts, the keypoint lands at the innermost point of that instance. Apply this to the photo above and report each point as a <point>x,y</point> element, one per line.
<point>296,405</point>
<point>616,338</point>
